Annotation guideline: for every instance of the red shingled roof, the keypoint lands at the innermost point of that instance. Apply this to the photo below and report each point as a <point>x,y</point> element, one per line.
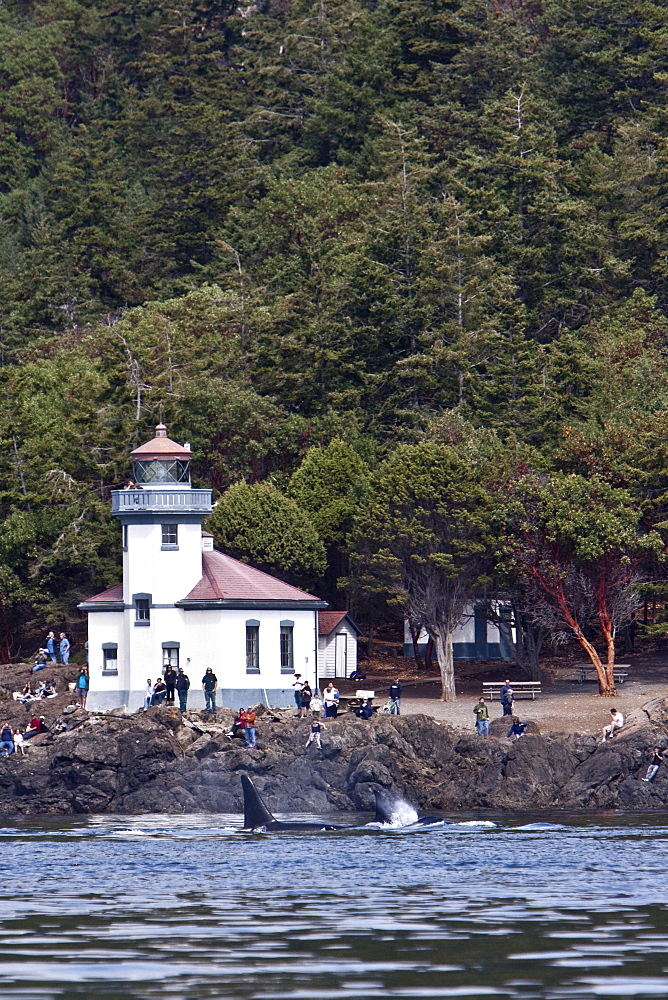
<point>328,620</point>
<point>225,578</point>
<point>113,594</point>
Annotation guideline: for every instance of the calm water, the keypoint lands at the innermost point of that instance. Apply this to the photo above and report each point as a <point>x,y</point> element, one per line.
<point>183,908</point>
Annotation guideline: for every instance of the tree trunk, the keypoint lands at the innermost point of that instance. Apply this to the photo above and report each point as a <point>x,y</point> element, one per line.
<point>443,644</point>
<point>606,680</point>
<point>416,649</point>
<point>608,630</point>
<point>428,654</point>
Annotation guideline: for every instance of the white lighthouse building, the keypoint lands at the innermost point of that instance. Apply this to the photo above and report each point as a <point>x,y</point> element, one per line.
<point>183,603</point>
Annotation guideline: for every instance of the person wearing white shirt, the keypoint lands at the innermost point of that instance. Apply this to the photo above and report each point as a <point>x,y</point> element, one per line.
<point>616,722</point>
<point>148,695</point>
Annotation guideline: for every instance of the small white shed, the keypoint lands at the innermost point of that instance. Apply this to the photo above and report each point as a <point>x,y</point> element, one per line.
<point>337,644</point>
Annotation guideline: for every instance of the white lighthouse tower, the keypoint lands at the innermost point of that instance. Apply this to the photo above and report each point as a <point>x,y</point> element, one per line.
<point>185,604</point>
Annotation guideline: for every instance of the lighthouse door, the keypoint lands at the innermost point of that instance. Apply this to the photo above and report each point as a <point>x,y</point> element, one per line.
<point>341,654</point>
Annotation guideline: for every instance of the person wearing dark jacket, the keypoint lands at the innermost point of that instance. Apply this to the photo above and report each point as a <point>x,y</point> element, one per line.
<point>366,711</point>
<point>517,729</point>
<point>6,740</point>
<point>182,685</point>
<point>170,682</point>
<point>506,697</point>
<point>395,698</point>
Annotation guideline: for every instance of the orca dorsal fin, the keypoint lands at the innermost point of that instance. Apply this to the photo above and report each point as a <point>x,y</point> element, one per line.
<point>256,813</point>
<point>384,807</point>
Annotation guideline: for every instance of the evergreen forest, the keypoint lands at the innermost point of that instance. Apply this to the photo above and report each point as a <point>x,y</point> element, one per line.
<point>397,269</point>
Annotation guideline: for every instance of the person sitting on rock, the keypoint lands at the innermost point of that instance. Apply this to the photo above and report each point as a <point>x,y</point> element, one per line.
<point>616,722</point>
<point>238,726</point>
<point>366,710</point>
<point>36,726</point>
<point>655,763</point>
<point>159,692</point>
<point>6,741</point>
<point>19,742</point>
<point>517,729</point>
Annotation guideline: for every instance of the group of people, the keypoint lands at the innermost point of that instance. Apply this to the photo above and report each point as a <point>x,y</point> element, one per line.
<point>13,740</point>
<point>54,647</point>
<point>29,693</point>
<point>481,712</point>
<point>171,683</point>
<point>245,724</point>
<point>326,703</point>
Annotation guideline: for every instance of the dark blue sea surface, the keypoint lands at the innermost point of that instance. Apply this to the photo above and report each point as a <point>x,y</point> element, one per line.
<point>189,908</point>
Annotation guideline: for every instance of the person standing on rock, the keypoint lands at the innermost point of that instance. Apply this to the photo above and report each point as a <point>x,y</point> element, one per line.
<point>330,697</point>
<point>394,703</point>
<point>481,717</point>
<point>65,647</point>
<point>82,686</point>
<point>507,697</point>
<point>616,722</point>
<point>249,730</point>
<point>170,681</point>
<point>306,696</point>
<point>316,705</point>
<point>298,684</point>
<point>182,685</point>
<point>655,764</point>
<point>209,687</point>
<point>316,729</point>
<point>148,694</point>
<point>51,646</point>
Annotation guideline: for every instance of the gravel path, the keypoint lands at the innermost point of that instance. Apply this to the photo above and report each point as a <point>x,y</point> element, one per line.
<point>563,708</point>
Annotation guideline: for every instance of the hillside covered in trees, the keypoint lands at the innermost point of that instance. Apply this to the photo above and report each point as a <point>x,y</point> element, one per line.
<point>336,245</point>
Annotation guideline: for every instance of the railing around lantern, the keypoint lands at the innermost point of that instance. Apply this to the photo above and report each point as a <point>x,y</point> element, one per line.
<point>125,501</point>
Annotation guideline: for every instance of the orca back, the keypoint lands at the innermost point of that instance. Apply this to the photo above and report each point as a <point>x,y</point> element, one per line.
<point>256,813</point>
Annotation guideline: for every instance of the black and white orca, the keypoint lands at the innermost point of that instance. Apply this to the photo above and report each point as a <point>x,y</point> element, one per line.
<point>258,818</point>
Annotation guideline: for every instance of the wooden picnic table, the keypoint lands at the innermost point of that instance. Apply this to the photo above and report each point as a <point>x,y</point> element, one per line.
<point>587,671</point>
<point>521,689</point>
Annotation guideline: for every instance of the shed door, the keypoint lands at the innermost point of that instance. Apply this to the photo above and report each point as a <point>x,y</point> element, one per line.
<point>341,654</point>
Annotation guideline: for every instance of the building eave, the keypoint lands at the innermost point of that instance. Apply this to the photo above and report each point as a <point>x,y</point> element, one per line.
<point>101,606</point>
<point>231,604</point>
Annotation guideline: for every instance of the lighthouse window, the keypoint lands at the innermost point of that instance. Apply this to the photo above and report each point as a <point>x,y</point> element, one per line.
<point>287,657</point>
<point>109,658</point>
<point>253,649</point>
<point>170,536</point>
<point>142,610</point>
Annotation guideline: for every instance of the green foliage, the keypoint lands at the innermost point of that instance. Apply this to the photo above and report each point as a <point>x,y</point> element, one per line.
<point>260,525</point>
<point>277,225</point>
<point>427,531</point>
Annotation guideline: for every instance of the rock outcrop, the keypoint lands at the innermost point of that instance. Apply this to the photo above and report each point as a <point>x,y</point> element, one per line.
<point>161,761</point>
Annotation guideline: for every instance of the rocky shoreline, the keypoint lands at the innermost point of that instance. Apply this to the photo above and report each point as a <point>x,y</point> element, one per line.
<point>161,761</point>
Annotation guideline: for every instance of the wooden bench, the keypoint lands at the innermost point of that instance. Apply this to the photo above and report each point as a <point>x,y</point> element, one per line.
<point>587,672</point>
<point>521,689</point>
